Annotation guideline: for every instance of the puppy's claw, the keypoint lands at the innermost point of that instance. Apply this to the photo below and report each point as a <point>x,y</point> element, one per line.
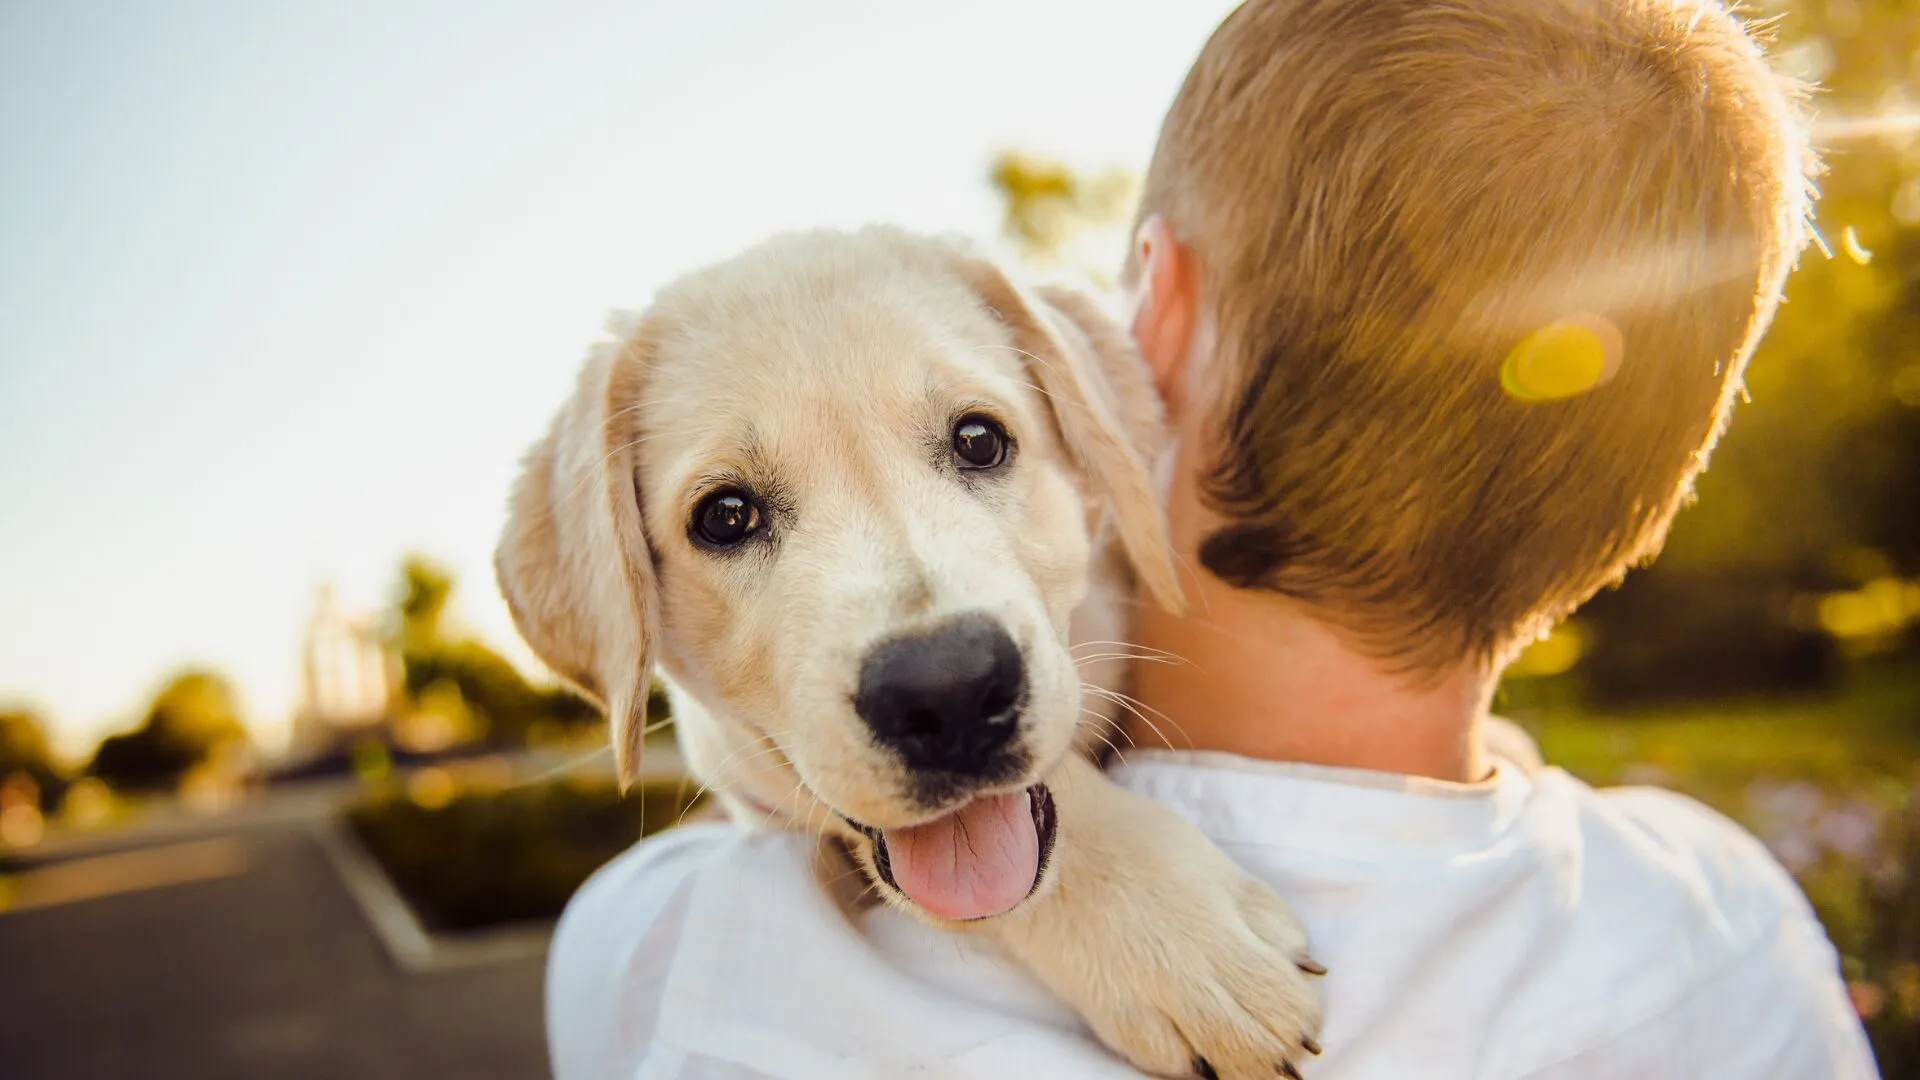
<point>1309,965</point>
<point>1203,1069</point>
<point>1309,1045</point>
<point>1287,1070</point>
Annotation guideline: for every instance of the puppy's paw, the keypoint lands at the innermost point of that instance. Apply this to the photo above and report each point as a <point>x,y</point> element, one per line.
<point>1178,959</point>
<point>1221,987</point>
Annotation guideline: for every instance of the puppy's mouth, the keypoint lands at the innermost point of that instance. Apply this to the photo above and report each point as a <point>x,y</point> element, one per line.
<point>981,859</point>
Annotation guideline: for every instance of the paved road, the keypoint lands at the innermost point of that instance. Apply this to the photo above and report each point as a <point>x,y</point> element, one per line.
<point>261,966</point>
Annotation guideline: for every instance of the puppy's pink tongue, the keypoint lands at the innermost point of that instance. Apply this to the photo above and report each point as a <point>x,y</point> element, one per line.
<point>980,860</point>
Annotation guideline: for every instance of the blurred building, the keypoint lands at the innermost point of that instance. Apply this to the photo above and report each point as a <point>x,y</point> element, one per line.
<point>348,678</point>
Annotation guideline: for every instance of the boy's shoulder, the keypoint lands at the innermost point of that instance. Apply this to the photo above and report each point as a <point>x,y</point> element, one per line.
<point>1697,941</point>
<point>1708,859</point>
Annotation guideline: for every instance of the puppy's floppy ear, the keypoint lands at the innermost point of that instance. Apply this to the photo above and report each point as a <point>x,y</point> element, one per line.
<point>573,561</point>
<point>1101,393</point>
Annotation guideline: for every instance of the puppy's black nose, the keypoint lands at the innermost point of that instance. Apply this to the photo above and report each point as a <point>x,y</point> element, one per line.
<point>947,700</point>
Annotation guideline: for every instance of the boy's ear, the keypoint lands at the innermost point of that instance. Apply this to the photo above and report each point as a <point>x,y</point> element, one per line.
<point>1166,306</point>
<point>1103,404</point>
<point>573,561</point>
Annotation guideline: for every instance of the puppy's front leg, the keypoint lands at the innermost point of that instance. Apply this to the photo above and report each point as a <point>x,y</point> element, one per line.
<point>1178,959</point>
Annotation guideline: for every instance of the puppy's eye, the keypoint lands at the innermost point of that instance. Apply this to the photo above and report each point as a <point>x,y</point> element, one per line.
<point>725,518</point>
<point>979,442</point>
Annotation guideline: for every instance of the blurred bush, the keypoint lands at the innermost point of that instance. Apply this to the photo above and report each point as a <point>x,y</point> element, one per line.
<point>1705,633</point>
<point>194,720</point>
<point>26,758</point>
<point>473,858</point>
<point>455,689</point>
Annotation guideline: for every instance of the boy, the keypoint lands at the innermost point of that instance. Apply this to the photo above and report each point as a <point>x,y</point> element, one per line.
<point>1448,302</point>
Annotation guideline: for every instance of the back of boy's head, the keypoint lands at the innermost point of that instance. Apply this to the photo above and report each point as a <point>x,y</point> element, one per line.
<point>1420,225</point>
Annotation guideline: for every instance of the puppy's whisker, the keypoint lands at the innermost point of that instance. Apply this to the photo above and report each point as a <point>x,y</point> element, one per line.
<point>1136,701</point>
<point>843,875</point>
<point>1135,707</point>
<point>1108,726</point>
<point>735,759</point>
<point>1099,726</point>
<point>1043,362</point>
<point>722,781</point>
<point>812,804</point>
<point>563,768</point>
<point>1135,646</point>
<point>826,822</point>
<point>715,784</point>
<point>1101,657</point>
<point>1057,400</point>
<point>1041,390</point>
<point>1203,619</point>
<point>593,473</point>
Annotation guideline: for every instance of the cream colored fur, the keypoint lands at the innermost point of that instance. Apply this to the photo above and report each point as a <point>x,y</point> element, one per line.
<point>826,369</point>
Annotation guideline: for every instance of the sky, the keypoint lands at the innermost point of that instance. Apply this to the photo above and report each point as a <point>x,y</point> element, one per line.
<point>286,289</point>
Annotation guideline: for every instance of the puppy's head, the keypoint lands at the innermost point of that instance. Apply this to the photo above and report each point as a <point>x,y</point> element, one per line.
<point>846,489</point>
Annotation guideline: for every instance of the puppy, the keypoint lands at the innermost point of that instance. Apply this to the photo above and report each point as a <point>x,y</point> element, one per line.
<point>875,512</point>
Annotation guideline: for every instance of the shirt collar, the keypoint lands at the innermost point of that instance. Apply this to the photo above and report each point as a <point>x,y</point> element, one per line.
<point>1345,811</point>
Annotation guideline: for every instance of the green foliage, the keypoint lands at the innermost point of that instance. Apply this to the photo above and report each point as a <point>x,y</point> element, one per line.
<point>1047,202</point>
<point>439,662</point>
<point>508,705</point>
<point>1825,459</point>
<point>1056,215</point>
<point>489,858</point>
<point>1705,633</point>
<point>24,750</point>
<point>194,717</point>
<point>23,742</point>
<point>425,587</point>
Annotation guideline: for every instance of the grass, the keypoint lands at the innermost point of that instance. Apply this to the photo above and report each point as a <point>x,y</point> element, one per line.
<point>1864,740</point>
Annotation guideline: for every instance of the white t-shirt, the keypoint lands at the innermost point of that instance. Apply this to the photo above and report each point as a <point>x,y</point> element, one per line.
<point>1525,926</point>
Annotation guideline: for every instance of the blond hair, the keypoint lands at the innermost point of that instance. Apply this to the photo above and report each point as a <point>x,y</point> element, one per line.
<point>1386,200</point>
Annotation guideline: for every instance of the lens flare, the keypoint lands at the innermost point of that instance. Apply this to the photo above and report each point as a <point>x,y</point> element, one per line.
<point>1562,359</point>
<point>1850,243</point>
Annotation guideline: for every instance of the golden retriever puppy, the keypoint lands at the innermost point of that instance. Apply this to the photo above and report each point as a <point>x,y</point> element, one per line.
<point>875,514</point>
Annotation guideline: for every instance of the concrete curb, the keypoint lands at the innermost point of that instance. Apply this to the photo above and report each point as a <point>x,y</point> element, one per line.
<point>410,946</point>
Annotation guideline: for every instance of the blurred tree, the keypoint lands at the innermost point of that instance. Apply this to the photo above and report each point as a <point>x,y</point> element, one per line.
<point>441,664</point>
<point>1055,216</point>
<point>424,589</point>
<point>1819,468</point>
<point>24,751</point>
<point>193,719</point>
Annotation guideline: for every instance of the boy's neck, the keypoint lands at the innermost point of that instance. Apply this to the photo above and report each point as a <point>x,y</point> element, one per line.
<point>1279,687</point>
<point>1256,675</point>
<point>1264,681</point>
